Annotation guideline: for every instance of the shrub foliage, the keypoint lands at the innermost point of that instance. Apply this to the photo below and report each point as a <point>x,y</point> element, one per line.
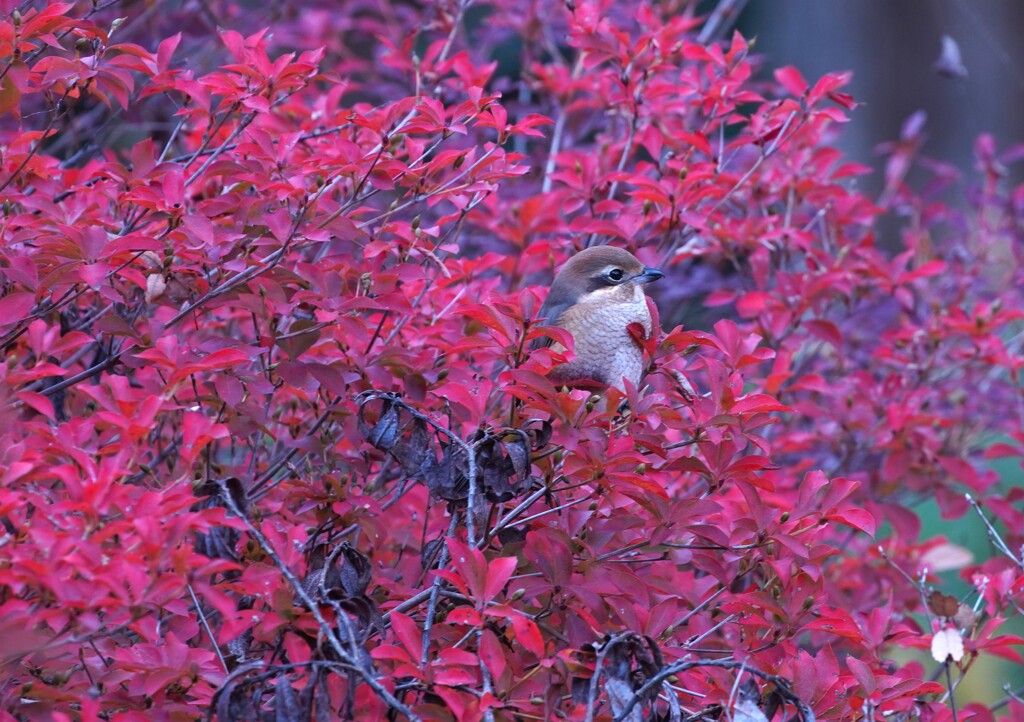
<point>275,446</point>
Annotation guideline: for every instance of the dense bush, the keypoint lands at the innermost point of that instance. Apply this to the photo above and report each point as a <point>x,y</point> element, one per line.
<point>274,444</point>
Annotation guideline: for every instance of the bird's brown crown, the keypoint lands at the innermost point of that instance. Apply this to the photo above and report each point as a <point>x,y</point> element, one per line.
<point>599,266</point>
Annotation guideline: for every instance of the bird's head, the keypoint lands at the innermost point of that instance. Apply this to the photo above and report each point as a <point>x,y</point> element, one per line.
<point>601,272</point>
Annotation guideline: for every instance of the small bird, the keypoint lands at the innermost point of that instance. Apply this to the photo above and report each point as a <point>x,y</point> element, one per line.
<point>595,296</point>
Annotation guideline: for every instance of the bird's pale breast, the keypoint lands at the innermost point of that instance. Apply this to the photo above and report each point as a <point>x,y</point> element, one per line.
<point>605,350</point>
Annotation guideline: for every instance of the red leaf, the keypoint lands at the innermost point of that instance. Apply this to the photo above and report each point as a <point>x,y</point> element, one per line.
<point>492,654</point>
<point>758,403</point>
<point>498,572</point>
<point>408,633</point>
<point>791,79</point>
<point>221,359</point>
<point>860,519</point>
<point>15,307</point>
<point>471,567</point>
<point>465,615</point>
<point>528,634</point>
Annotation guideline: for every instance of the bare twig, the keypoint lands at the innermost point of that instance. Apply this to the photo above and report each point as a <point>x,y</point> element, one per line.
<point>724,16</point>
<point>952,690</point>
<point>435,591</point>
<point>558,133</point>
<point>993,534</point>
<point>206,626</point>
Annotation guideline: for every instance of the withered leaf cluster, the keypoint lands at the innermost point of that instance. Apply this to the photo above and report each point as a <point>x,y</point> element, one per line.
<point>252,695</point>
<point>338,577</point>
<point>341,577</point>
<point>500,458</point>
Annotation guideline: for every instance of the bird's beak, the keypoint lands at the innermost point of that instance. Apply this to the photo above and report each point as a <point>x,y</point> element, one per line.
<point>649,274</point>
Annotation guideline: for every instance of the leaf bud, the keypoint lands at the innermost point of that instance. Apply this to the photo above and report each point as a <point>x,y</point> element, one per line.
<point>415,223</point>
<point>16,18</point>
<point>459,161</point>
<point>809,602</point>
<point>518,594</point>
<point>785,517</point>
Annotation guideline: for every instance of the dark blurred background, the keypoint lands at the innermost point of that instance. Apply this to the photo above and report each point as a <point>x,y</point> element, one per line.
<point>892,47</point>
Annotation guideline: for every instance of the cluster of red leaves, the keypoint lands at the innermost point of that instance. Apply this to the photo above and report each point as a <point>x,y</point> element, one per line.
<point>273,443</point>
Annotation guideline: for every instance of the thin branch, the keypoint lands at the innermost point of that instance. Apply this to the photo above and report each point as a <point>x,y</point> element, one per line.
<point>206,626</point>
<point>558,133</point>
<point>435,591</point>
<point>724,16</point>
<point>950,687</point>
<point>993,534</point>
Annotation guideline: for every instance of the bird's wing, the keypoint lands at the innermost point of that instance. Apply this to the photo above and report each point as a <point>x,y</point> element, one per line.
<point>550,314</point>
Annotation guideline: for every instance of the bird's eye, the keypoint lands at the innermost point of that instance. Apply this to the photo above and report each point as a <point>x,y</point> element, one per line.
<point>616,274</point>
